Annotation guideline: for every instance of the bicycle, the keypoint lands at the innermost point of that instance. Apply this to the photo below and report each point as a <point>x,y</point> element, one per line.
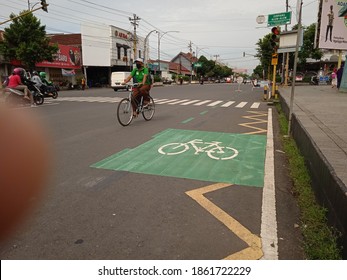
<point>125,113</point>
<point>212,149</point>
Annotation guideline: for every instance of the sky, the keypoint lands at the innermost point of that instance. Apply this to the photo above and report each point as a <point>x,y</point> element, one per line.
<point>218,29</point>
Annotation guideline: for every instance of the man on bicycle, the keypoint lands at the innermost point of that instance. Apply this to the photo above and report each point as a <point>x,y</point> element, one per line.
<point>141,75</point>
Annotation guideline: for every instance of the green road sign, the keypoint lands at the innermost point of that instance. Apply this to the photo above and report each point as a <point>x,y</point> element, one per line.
<point>197,64</point>
<point>279,19</point>
<point>199,155</point>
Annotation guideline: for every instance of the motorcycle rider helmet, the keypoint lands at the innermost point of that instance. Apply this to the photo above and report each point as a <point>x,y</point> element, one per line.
<point>18,71</point>
<point>35,73</point>
<point>43,75</point>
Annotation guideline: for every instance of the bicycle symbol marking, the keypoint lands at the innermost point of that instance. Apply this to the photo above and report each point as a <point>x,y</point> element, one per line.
<point>212,149</point>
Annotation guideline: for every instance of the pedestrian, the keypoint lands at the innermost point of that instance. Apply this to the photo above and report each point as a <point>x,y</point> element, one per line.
<point>83,83</point>
<point>339,74</point>
<point>334,78</point>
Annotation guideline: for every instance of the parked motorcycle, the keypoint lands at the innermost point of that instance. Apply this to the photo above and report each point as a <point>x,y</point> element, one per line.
<point>314,81</point>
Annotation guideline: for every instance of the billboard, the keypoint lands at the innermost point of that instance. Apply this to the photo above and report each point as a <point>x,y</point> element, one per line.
<point>333,27</point>
<point>66,57</point>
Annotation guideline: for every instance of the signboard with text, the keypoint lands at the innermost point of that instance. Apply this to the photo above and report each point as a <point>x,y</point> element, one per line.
<point>66,57</point>
<point>279,19</point>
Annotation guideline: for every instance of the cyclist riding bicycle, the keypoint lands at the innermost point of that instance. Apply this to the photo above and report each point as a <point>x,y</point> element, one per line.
<point>141,75</point>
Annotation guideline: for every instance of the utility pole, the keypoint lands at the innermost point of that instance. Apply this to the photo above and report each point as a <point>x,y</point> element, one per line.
<point>190,46</point>
<point>286,55</point>
<point>134,22</point>
<point>216,56</point>
<point>294,70</point>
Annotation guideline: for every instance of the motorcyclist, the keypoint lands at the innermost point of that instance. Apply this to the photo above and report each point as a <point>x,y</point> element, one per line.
<point>16,82</point>
<point>44,80</point>
<point>38,82</point>
<point>47,86</point>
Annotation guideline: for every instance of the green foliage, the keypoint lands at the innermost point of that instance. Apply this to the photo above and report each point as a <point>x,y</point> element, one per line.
<point>264,50</point>
<point>25,40</point>
<point>264,53</point>
<point>209,68</point>
<point>157,78</point>
<point>258,72</point>
<point>320,240</point>
<point>308,50</point>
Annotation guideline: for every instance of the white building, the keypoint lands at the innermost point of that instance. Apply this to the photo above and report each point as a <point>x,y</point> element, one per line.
<point>108,48</point>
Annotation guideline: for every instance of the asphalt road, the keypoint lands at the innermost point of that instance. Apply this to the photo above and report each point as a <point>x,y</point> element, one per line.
<point>113,196</point>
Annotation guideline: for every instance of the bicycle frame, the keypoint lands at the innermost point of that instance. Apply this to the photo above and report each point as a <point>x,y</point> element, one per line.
<point>214,145</point>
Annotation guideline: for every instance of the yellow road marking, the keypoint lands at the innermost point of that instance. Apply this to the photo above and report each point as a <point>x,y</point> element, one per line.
<point>255,117</point>
<point>253,252</point>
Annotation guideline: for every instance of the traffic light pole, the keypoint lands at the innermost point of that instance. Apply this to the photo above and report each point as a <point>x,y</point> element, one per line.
<point>23,14</point>
<point>273,82</point>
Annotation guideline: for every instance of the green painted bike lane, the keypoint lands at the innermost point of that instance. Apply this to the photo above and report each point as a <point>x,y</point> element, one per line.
<point>198,155</point>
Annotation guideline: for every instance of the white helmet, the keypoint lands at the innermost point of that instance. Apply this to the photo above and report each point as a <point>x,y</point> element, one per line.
<point>139,60</point>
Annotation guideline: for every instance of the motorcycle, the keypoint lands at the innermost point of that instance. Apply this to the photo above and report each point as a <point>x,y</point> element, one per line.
<point>49,91</point>
<point>314,81</point>
<point>15,97</point>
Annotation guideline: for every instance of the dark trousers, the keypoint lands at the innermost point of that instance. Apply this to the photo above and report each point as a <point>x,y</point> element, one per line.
<point>329,28</point>
<point>137,93</point>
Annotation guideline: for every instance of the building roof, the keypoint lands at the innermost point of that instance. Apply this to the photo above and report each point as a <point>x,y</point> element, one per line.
<point>173,67</point>
<point>178,69</point>
<point>66,39</point>
<point>187,56</point>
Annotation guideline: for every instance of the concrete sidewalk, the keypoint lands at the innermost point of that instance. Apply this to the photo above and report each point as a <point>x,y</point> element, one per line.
<point>319,127</point>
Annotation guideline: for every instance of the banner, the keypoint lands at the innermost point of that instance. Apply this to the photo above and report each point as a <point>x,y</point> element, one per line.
<point>333,28</point>
<point>66,57</point>
<point>68,73</point>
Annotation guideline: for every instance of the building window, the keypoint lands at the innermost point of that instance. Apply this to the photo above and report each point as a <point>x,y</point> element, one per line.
<point>118,53</point>
<point>140,54</point>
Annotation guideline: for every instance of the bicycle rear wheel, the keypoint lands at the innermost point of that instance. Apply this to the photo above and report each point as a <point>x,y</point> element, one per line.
<point>148,110</point>
<point>125,112</point>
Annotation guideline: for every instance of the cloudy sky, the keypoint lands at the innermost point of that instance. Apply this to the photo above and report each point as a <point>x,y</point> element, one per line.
<point>217,29</point>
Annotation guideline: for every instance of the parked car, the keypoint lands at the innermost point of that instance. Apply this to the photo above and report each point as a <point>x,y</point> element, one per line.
<point>117,78</point>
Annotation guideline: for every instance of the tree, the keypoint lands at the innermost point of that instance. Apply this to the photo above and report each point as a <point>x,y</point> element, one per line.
<point>25,40</point>
<point>258,72</point>
<point>210,69</point>
<point>308,50</point>
<point>264,53</point>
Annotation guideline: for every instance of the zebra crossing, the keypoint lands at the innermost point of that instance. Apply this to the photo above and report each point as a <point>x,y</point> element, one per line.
<point>163,101</point>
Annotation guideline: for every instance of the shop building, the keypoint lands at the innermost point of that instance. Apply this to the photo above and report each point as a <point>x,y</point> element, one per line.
<point>107,49</point>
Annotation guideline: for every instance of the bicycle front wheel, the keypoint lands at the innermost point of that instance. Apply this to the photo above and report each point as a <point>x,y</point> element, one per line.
<point>148,110</point>
<point>125,112</point>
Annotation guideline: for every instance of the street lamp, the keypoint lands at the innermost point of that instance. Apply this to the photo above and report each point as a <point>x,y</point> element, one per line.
<point>159,37</point>
<point>145,47</point>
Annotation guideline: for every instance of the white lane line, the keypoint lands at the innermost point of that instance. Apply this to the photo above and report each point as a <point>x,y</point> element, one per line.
<point>156,100</point>
<point>228,104</point>
<point>179,101</point>
<point>190,102</point>
<point>167,101</point>
<point>202,102</point>
<point>241,105</point>
<point>268,231</point>
<point>255,105</point>
<point>215,103</point>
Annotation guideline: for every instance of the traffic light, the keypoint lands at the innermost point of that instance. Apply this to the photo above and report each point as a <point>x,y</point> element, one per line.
<point>44,5</point>
<point>275,38</point>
